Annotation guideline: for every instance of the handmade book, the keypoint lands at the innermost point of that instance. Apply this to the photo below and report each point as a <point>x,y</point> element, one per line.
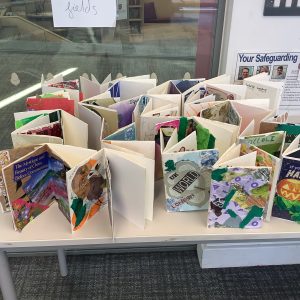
<point>241,183</point>
<point>153,109</point>
<point>6,157</point>
<point>226,91</point>
<point>51,101</point>
<point>116,115</point>
<point>283,122</point>
<point>287,199</point>
<point>131,87</point>
<point>38,179</point>
<point>259,86</point>
<point>188,154</point>
<point>132,167</point>
<point>50,127</point>
<point>81,182</point>
<point>183,87</point>
<point>272,142</point>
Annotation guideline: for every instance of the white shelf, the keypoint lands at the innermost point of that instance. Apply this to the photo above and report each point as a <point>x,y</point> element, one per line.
<point>191,227</point>
<point>52,229</point>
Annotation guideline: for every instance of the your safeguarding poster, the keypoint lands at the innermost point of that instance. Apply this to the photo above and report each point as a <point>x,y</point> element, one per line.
<point>281,66</point>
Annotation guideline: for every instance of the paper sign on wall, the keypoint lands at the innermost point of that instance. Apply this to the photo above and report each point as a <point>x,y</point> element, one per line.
<point>84,13</point>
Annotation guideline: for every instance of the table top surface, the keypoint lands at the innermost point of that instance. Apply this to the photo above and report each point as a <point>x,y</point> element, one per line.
<point>52,229</point>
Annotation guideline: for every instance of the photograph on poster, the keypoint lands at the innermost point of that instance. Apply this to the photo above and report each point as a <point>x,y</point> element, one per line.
<point>245,72</point>
<point>279,72</point>
<point>263,69</point>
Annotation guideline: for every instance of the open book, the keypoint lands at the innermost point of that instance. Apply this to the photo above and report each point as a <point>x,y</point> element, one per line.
<point>132,166</point>
<point>241,185</point>
<point>284,122</point>
<point>49,127</point>
<point>98,112</point>
<point>6,157</point>
<point>259,86</point>
<point>183,87</point>
<point>188,153</point>
<point>286,203</point>
<point>50,101</point>
<point>82,181</point>
<point>153,109</point>
<point>271,142</point>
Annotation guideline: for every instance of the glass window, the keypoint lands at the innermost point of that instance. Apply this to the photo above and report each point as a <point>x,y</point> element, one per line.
<point>167,37</point>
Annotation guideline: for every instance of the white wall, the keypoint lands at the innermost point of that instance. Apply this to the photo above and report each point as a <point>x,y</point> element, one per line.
<point>246,29</point>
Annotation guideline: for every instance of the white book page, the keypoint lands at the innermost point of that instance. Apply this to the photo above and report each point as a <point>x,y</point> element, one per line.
<point>146,148</point>
<point>160,89</point>
<point>70,154</point>
<point>89,88</point>
<point>130,88</point>
<point>75,131</point>
<point>189,143</point>
<point>172,141</point>
<point>94,122</point>
<point>248,160</point>
<point>293,146</point>
<point>128,192</point>
<point>231,153</point>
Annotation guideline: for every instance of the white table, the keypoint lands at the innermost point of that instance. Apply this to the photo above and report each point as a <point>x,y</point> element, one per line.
<point>51,229</point>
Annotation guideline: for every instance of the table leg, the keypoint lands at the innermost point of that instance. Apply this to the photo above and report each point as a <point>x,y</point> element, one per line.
<point>6,282</point>
<point>62,262</point>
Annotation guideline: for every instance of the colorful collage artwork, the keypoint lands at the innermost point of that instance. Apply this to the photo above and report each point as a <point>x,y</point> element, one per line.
<point>238,196</point>
<point>33,184</point>
<point>187,179</point>
<point>287,200</point>
<point>87,186</point>
<point>222,112</point>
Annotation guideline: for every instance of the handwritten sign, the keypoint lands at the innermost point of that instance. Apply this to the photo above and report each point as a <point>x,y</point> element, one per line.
<point>84,13</point>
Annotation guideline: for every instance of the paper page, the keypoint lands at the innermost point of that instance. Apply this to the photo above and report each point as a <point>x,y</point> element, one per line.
<point>187,178</point>
<point>248,160</point>
<point>128,192</point>
<point>147,126</point>
<point>146,148</point>
<point>110,145</point>
<point>110,116</point>
<point>232,152</point>
<point>249,113</point>
<point>225,134</point>
<point>264,89</point>
<point>160,89</point>
<point>23,140</point>
<point>249,130</point>
<point>94,122</point>
<point>189,143</point>
<point>89,88</point>
<point>75,131</point>
<point>127,133</point>
<point>173,140</point>
<point>227,91</point>
<point>87,189</point>
<point>270,142</point>
<point>232,194</point>
<point>195,108</point>
<point>222,79</point>
<point>70,154</point>
<point>130,88</point>
<point>286,202</point>
<point>7,157</point>
<point>295,144</point>
<point>32,183</point>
